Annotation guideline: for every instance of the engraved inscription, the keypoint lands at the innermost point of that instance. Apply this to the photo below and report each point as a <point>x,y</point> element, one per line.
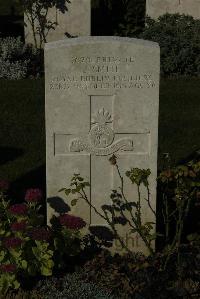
<point>118,81</point>
<point>102,73</point>
<point>103,59</point>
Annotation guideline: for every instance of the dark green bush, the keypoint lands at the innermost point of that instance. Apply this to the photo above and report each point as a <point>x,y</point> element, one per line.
<point>19,60</point>
<point>119,17</point>
<point>179,40</point>
<point>133,18</point>
<point>142,277</point>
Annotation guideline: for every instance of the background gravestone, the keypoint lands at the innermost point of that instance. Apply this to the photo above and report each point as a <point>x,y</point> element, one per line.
<point>156,8</point>
<point>108,85</point>
<point>75,22</point>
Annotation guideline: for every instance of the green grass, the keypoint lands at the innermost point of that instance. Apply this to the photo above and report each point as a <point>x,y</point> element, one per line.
<point>5,7</point>
<point>179,118</point>
<point>22,127</point>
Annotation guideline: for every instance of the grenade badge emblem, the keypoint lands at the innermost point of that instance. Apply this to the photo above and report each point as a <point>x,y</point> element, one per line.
<point>101,134</point>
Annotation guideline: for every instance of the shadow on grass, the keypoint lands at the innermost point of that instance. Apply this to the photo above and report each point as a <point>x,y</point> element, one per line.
<point>33,179</point>
<point>8,154</point>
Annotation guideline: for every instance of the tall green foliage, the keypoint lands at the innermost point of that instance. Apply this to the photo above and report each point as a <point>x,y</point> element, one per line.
<point>178,37</point>
<point>36,12</point>
<point>120,17</point>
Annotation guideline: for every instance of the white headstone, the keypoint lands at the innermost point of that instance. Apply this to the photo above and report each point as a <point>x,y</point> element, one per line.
<point>156,8</point>
<point>75,22</point>
<point>102,97</point>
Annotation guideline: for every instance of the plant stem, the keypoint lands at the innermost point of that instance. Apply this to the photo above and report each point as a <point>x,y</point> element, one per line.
<point>148,200</point>
<point>137,227</point>
<point>106,218</point>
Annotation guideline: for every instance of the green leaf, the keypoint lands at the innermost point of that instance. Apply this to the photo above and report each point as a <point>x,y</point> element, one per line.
<point>45,271</point>
<point>74,201</point>
<point>15,254</point>
<point>80,179</point>
<point>16,284</point>
<point>152,237</point>
<point>24,264</point>
<point>193,237</point>
<point>133,230</point>
<point>2,255</point>
<point>67,191</point>
<point>62,189</point>
<point>35,251</point>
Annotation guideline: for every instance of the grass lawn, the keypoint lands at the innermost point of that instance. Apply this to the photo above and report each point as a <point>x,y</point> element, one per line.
<point>179,118</point>
<point>6,7</point>
<point>22,127</point>
<point>22,131</point>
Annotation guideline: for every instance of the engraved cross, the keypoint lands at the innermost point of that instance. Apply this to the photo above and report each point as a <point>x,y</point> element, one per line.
<point>101,141</point>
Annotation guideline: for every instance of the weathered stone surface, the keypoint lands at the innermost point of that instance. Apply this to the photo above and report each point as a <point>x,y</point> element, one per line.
<point>75,22</point>
<point>102,97</point>
<point>156,8</point>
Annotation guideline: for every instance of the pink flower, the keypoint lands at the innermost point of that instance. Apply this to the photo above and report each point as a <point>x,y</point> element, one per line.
<point>71,221</point>
<point>12,242</point>
<point>33,195</point>
<point>18,226</point>
<point>8,268</point>
<point>4,185</point>
<point>40,234</point>
<point>18,209</point>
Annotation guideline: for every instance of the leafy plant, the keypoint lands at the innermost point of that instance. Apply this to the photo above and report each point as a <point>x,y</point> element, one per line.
<point>115,213</point>
<point>179,188</point>
<point>133,21</point>
<point>67,238</point>
<point>28,247</point>
<point>36,12</point>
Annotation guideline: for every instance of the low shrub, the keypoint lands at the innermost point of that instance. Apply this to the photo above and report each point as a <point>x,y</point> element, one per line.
<point>28,248</point>
<point>143,277</point>
<point>179,200</point>
<point>18,60</point>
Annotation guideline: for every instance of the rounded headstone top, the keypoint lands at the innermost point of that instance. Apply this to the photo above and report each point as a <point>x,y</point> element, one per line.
<point>99,39</point>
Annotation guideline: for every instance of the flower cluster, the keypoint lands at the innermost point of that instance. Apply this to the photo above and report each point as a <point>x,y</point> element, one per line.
<point>33,195</point>
<point>40,234</point>
<point>4,185</point>
<point>8,268</point>
<point>19,209</point>
<point>19,226</point>
<point>12,242</point>
<point>72,222</point>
